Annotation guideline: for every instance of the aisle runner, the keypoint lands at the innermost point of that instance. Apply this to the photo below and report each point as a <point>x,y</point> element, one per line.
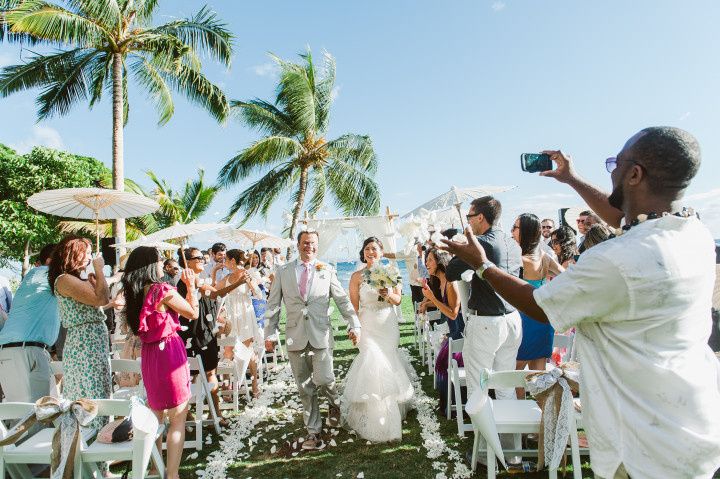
<point>280,389</point>
<point>433,442</point>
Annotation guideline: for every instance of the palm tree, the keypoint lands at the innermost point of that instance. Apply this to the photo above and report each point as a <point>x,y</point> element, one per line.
<point>296,152</point>
<point>107,40</point>
<point>185,206</point>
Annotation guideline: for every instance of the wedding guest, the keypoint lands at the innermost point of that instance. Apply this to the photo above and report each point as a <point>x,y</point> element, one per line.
<point>279,258</point>
<point>564,245</point>
<point>714,340</point>
<point>171,272</point>
<point>547,226</point>
<point>649,386</point>
<point>537,338</point>
<point>581,227</point>
<point>595,235</point>
<point>200,337</point>
<point>86,369</point>
<point>449,300</point>
<point>152,310</point>
<point>31,329</point>
<point>215,269</point>
<point>493,329</point>
<point>241,314</point>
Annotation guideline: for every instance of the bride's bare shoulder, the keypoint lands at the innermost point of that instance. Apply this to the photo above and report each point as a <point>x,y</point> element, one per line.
<point>356,276</point>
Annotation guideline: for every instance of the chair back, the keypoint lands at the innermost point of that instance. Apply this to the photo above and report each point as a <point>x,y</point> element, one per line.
<point>464,293</point>
<point>125,366</point>
<point>433,315</point>
<point>14,410</point>
<point>454,346</point>
<point>504,379</point>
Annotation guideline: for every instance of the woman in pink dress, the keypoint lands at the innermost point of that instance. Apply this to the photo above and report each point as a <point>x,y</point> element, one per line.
<point>152,309</point>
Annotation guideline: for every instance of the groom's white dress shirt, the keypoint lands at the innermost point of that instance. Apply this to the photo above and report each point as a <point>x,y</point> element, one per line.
<point>649,385</point>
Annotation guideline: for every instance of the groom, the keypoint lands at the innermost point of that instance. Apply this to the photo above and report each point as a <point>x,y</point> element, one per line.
<point>306,286</point>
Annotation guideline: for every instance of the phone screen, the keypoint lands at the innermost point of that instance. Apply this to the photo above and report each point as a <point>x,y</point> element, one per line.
<point>535,162</point>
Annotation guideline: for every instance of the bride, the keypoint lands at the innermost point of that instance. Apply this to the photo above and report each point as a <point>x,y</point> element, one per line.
<point>377,386</point>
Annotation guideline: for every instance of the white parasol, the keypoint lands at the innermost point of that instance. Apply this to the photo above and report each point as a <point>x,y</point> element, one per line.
<point>254,237</point>
<point>182,232</point>
<point>92,204</point>
<point>161,245</point>
<point>455,197</point>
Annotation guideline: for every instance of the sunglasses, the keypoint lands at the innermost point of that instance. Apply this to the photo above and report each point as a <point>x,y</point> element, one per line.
<point>197,258</point>
<point>467,217</point>
<point>612,162</point>
<point>547,227</point>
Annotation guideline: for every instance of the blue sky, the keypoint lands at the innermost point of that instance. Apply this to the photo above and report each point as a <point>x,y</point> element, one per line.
<point>450,92</point>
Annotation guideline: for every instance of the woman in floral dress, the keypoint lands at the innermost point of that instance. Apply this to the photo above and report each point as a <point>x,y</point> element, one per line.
<point>86,355</point>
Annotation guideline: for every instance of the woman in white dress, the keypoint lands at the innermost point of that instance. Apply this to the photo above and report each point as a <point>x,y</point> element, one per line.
<point>377,387</point>
<point>240,313</point>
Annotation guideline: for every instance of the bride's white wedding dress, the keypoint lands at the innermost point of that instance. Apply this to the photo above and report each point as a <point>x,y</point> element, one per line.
<point>377,386</point>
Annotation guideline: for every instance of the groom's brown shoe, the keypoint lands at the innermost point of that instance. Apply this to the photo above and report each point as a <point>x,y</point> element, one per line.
<point>312,442</point>
<point>333,419</point>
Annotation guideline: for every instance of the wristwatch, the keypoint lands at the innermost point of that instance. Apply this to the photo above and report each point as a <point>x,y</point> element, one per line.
<point>486,265</point>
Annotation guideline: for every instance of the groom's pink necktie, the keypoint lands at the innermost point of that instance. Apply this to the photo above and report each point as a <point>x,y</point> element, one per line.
<point>304,277</point>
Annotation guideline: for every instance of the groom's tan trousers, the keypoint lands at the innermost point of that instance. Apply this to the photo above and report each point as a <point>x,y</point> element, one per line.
<point>313,372</point>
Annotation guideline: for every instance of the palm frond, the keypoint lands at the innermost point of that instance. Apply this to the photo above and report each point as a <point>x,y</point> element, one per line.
<point>68,85</point>
<point>324,93</point>
<point>319,185</point>
<point>264,116</point>
<point>259,155</point>
<point>355,192</point>
<point>157,89</point>
<point>296,95</point>
<point>199,90</point>
<point>145,9</point>
<point>356,150</point>
<point>197,197</point>
<point>259,196</point>
<point>105,12</point>
<point>39,71</point>
<point>205,33</point>
<point>50,22</point>
<point>101,78</point>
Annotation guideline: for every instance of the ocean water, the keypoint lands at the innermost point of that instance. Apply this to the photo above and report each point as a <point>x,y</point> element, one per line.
<point>345,269</point>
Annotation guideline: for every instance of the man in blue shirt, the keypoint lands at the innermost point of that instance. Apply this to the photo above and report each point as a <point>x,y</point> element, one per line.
<point>32,327</point>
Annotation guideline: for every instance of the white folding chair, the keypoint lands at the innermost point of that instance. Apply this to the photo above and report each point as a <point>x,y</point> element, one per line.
<point>235,371</point>
<point>56,367</point>
<point>464,293</point>
<point>456,379</point>
<point>428,338</point>
<point>131,366</point>
<point>35,450</point>
<point>140,450</point>
<point>493,417</point>
<point>202,397</point>
<point>436,336</point>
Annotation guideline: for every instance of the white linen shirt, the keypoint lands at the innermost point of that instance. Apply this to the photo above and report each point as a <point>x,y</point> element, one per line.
<point>650,385</point>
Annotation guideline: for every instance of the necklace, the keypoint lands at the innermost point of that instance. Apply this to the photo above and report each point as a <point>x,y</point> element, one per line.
<point>641,218</point>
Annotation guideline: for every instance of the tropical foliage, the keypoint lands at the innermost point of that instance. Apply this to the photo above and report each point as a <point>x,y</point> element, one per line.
<point>104,43</point>
<point>294,155</point>
<point>23,229</point>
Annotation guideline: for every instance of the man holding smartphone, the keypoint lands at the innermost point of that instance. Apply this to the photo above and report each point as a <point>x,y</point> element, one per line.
<point>639,304</point>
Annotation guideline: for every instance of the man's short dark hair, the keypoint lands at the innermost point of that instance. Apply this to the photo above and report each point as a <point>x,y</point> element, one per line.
<point>490,208</point>
<point>548,219</point>
<point>265,250</point>
<point>218,247</point>
<point>671,158</point>
<point>313,232</point>
<point>168,261</point>
<point>46,253</point>
<point>585,213</point>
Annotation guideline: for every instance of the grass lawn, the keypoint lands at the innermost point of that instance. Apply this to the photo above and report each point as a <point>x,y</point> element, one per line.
<point>273,456</point>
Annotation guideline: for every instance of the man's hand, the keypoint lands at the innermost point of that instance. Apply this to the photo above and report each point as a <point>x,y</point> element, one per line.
<point>564,171</point>
<point>269,345</point>
<point>353,337</point>
<point>472,253</point>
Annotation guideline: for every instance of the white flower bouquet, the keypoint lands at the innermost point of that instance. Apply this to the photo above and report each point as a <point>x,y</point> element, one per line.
<point>382,276</point>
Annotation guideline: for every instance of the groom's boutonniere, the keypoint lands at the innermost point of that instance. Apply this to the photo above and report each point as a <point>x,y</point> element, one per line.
<point>321,268</point>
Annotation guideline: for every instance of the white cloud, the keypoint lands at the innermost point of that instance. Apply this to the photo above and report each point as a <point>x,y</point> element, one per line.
<point>269,69</point>
<point>40,136</point>
<point>335,92</point>
<point>497,6</point>
<point>684,116</point>
<point>707,195</point>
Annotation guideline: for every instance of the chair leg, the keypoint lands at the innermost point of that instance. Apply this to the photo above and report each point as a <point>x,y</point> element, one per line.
<point>575,451</point>
<point>552,473</point>
<point>490,455</point>
<point>459,410</point>
<point>448,402</point>
<point>476,444</point>
<point>158,461</point>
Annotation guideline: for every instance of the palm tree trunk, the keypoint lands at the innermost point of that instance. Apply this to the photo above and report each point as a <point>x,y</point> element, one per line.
<point>118,170</point>
<point>26,259</point>
<point>299,205</point>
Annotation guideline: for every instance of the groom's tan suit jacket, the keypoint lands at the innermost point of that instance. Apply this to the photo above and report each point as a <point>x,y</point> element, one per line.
<point>308,320</point>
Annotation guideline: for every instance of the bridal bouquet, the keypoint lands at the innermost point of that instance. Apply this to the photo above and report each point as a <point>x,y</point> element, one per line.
<point>382,276</point>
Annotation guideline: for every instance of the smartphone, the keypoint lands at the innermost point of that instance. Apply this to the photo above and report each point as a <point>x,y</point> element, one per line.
<point>535,162</point>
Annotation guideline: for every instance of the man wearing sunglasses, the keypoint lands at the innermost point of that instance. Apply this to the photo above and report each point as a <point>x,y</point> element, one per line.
<point>171,269</point>
<point>639,304</point>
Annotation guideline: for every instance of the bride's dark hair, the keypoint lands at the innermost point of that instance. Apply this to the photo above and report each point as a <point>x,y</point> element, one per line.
<point>371,239</point>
